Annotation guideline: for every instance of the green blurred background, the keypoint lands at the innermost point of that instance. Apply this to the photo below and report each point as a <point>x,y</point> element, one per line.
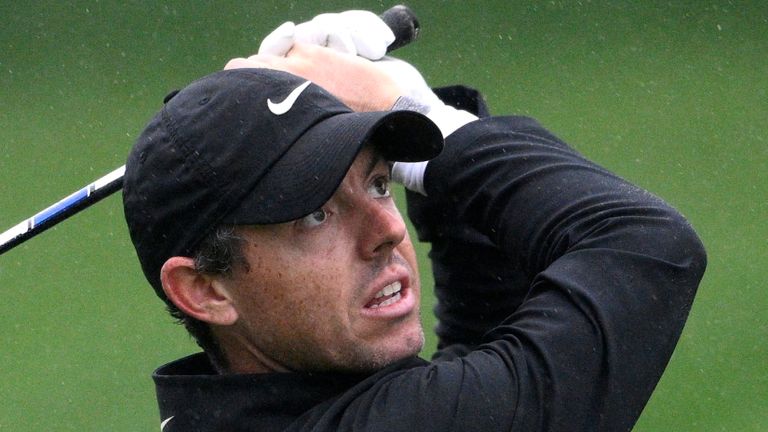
<point>671,96</point>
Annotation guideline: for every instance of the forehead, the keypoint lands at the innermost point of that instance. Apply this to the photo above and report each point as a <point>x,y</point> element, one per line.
<point>367,159</point>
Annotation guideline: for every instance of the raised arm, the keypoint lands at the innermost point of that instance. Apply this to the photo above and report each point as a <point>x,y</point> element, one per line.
<point>611,272</point>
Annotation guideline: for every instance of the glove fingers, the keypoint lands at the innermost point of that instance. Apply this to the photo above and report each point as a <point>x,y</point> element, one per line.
<point>341,42</point>
<point>372,48</point>
<point>369,33</point>
<point>327,30</point>
<point>310,33</point>
<point>354,32</point>
<point>409,79</point>
<point>280,41</point>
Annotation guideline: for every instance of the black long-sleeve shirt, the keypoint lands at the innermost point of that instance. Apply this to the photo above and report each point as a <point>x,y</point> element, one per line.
<point>562,292</point>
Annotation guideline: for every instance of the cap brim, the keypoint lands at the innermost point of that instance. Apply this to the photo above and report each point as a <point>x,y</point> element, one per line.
<point>308,174</point>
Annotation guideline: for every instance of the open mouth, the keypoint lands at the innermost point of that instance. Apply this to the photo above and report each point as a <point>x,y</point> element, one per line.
<point>388,295</point>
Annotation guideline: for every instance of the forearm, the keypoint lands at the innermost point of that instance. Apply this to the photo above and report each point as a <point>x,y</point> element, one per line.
<point>536,198</point>
<point>600,274</point>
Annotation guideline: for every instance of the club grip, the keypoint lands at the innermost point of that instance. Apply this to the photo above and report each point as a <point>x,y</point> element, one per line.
<point>403,23</point>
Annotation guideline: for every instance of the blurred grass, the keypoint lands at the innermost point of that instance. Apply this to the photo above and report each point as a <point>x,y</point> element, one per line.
<point>671,96</point>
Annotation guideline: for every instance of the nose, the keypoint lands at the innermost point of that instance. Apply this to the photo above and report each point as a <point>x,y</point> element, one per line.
<point>382,229</point>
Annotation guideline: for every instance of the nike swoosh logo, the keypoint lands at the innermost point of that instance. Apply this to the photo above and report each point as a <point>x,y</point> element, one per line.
<point>165,422</point>
<point>286,105</point>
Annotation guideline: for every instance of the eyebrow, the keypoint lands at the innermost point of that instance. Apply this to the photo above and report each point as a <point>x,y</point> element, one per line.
<point>372,163</point>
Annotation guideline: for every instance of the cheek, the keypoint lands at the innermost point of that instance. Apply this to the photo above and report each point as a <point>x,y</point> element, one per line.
<point>301,318</point>
<point>407,251</point>
<point>296,291</point>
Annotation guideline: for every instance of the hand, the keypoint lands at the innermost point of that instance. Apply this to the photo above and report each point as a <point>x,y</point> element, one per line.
<point>353,32</point>
<point>355,81</point>
<point>363,33</point>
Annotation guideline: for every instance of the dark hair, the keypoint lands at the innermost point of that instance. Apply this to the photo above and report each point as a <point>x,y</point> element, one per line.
<point>219,253</point>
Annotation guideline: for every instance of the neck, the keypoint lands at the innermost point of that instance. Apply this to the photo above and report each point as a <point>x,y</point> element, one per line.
<point>242,357</point>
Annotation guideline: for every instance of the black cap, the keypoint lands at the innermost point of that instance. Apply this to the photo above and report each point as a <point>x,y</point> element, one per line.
<point>245,147</point>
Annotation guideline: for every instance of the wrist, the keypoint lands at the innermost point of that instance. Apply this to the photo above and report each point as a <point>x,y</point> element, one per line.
<point>378,95</point>
<point>410,175</point>
<point>409,104</point>
<point>385,102</point>
<point>447,118</point>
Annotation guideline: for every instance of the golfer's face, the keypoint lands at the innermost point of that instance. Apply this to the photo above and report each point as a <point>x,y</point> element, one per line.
<point>337,289</point>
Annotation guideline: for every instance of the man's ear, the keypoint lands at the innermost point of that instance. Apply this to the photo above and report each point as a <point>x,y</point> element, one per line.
<point>198,295</point>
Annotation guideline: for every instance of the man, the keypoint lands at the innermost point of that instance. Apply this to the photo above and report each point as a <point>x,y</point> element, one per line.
<point>260,209</point>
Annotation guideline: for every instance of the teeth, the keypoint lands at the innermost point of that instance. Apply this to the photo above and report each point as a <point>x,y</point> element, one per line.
<point>387,302</point>
<point>392,291</point>
<point>389,290</point>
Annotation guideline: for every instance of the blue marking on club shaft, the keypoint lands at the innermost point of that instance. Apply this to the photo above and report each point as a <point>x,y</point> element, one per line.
<point>60,206</point>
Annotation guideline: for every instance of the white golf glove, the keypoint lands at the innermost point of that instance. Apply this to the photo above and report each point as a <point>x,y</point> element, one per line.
<point>415,88</point>
<point>418,96</point>
<point>355,32</point>
<point>364,34</point>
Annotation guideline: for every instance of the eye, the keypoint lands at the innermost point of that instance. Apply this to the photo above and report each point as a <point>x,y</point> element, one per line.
<point>315,218</point>
<point>380,187</point>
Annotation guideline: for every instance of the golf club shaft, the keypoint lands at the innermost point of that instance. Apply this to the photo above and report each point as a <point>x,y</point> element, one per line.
<point>63,209</point>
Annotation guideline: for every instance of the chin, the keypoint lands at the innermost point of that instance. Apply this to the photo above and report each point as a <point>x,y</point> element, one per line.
<point>406,345</point>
